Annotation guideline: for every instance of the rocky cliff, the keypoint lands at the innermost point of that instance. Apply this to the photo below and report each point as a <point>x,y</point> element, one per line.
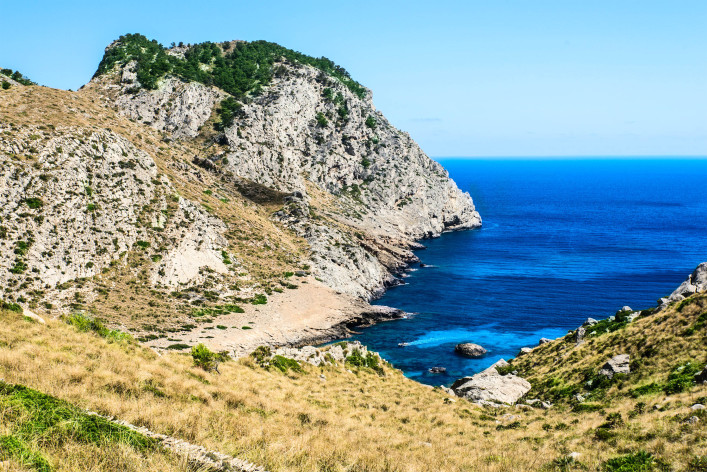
<point>163,178</point>
<point>360,191</point>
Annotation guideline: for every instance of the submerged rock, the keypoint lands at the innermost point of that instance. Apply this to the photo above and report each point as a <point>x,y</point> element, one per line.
<point>616,365</point>
<point>437,370</point>
<point>470,350</point>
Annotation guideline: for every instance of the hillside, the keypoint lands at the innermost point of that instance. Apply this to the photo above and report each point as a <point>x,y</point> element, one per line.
<point>170,230</point>
<point>205,185</point>
<point>347,416</point>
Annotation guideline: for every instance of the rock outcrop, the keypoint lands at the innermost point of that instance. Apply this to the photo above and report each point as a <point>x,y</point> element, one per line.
<point>470,350</point>
<point>327,355</point>
<point>618,364</point>
<point>363,191</point>
<point>696,282</point>
<point>490,386</point>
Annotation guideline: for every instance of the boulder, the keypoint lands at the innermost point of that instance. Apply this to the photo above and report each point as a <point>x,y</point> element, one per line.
<point>544,341</point>
<point>625,308</point>
<point>469,350</point>
<point>616,365</point>
<point>489,386</point>
<point>579,334</point>
<point>524,351</point>
<point>437,370</point>
<point>696,282</point>
<point>590,322</point>
<point>697,406</point>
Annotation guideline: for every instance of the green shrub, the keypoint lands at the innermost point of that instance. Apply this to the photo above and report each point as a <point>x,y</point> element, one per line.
<point>637,462</point>
<point>371,361</point>
<point>205,358</point>
<point>227,111</point>
<point>85,324</point>
<point>6,85</point>
<point>262,355</point>
<point>283,364</point>
<point>10,306</point>
<point>647,389</point>
<point>33,202</point>
<point>682,377</point>
<point>321,120</point>
<point>16,76</point>
<point>371,122</point>
<point>259,299</point>
<point>178,347</point>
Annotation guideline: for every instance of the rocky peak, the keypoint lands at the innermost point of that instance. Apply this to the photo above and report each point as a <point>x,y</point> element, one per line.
<point>298,124</point>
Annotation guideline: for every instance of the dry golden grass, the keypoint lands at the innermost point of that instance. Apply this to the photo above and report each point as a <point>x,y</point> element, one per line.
<point>300,422</point>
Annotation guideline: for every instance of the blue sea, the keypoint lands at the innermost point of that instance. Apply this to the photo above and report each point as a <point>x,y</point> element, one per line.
<point>562,240</point>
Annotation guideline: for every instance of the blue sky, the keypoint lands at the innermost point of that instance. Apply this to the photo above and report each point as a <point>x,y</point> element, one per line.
<point>465,78</point>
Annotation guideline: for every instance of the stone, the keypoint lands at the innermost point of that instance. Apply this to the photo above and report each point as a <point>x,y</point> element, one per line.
<point>697,406</point>
<point>437,370</point>
<point>525,350</point>
<point>469,350</point>
<point>590,322</point>
<point>579,334</point>
<point>544,341</point>
<point>692,420</point>
<point>539,403</point>
<point>625,308</point>
<point>696,282</point>
<point>490,386</point>
<point>618,364</point>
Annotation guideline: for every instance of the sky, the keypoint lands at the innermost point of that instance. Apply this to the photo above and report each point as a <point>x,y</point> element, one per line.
<point>464,78</point>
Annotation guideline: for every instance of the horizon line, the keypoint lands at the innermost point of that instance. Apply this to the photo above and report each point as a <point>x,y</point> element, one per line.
<point>580,156</point>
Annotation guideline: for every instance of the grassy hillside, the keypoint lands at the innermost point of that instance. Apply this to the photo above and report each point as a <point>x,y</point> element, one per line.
<point>346,418</point>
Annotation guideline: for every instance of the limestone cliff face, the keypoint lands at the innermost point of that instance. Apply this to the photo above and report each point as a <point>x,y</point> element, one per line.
<point>76,201</point>
<point>361,191</point>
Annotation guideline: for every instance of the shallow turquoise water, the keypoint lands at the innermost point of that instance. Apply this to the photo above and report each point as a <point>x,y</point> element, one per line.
<point>561,241</point>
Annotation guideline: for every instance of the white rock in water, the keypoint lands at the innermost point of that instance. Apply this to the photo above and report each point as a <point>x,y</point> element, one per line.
<point>470,350</point>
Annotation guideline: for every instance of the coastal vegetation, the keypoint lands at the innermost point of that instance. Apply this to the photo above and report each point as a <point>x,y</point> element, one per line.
<point>240,69</point>
<point>286,415</point>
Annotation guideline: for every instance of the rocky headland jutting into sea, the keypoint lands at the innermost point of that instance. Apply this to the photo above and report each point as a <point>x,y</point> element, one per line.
<point>187,163</point>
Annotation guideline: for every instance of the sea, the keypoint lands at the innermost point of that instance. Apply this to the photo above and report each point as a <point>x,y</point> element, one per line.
<point>562,240</point>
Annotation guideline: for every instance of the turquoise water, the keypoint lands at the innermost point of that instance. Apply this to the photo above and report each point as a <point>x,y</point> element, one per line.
<point>561,241</point>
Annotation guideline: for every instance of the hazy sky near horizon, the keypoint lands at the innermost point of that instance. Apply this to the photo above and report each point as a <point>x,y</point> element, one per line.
<point>465,78</point>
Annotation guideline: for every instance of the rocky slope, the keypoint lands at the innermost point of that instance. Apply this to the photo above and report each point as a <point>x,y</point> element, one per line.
<point>138,191</point>
<point>361,191</point>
